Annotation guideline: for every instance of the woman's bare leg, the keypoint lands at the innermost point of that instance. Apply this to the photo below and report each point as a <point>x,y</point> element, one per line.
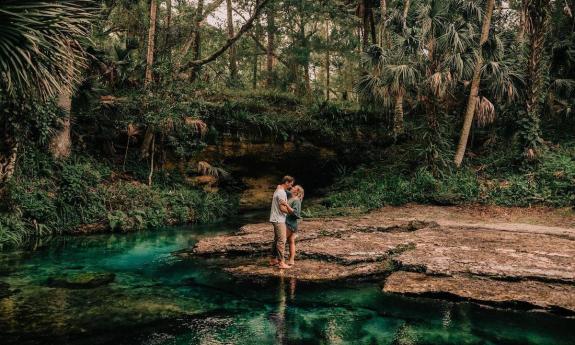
<point>291,240</point>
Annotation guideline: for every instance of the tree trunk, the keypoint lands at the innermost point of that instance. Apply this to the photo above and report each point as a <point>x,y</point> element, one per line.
<point>372,27</point>
<point>152,161</point>
<point>307,78</point>
<point>405,14</point>
<point>232,52</point>
<point>61,144</point>
<point>197,45</point>
<point>256,52</point>
<point>151,42</point>
<point>538,22</point>
<point>522,21</point>
<point>472,100</point>
<point>364,15</point>
<point>148,137</point>
<point>271,46</point>
<point>383,9</point>
<point>8,165</point>
<point>398,116</point>
<point>146,143</point>
<point>327,62</point>
<point>168,24</point>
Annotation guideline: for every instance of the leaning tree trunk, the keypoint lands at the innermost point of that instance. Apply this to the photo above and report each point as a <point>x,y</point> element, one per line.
<point>232,52</point>
<point>271,46</point>
<point>61,143</point>
<point>151,42</point>
<point>472,100</point>
<point>537,24</point>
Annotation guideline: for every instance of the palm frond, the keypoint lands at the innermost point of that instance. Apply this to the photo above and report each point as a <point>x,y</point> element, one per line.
<point>40,50</point>
<point>484,112</point>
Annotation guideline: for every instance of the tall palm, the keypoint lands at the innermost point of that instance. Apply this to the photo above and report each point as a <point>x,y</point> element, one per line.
<point>473,94</point>
<point>40,53</point>
<point>537,23</point>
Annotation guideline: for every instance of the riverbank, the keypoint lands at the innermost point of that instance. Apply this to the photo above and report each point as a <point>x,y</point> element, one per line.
<point>510,257</point>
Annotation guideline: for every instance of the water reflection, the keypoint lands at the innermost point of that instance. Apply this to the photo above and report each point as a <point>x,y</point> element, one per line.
<point>278,316</point>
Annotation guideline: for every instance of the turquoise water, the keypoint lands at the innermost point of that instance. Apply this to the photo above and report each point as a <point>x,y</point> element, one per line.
<point>157,298</point>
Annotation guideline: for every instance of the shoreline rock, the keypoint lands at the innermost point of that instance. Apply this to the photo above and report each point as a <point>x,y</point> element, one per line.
<point>502,264</point>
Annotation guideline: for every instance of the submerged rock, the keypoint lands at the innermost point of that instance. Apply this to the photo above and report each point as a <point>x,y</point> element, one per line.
<point>85,280</point>
<point>313,270</point>
<point>521,294</point>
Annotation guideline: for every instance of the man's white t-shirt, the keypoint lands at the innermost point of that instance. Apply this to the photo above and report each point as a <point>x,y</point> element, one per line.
<point>276,215</point>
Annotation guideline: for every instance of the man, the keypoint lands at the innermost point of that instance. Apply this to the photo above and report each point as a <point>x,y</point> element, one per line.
<point>279,210</point>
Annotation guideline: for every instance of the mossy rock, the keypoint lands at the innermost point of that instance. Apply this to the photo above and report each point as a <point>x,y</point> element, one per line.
<point>85,280</point>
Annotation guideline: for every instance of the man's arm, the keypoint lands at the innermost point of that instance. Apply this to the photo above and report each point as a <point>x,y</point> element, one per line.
<point>285,207</point>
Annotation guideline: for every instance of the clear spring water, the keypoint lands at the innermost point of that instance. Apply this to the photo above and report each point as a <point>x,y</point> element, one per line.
<point>157,298</point>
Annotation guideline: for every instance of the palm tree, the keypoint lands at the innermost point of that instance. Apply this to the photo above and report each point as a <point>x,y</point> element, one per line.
<point>537,23</point>
<point>40,51</point>
<point>388,81</point>
<point>41,57</point>
<point>473,94</point>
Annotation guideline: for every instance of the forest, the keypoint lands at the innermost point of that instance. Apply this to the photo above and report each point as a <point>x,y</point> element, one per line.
<point>109,106</point>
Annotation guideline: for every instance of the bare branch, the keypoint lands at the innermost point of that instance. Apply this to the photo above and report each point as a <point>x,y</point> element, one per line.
<point>230,41</point>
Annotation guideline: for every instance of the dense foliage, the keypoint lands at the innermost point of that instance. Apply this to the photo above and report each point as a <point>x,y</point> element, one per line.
<point>106,105</point>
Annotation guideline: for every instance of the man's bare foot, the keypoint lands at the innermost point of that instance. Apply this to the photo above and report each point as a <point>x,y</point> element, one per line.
<point>274,262</point>
<point>282,265</point>
<point>291,262</point>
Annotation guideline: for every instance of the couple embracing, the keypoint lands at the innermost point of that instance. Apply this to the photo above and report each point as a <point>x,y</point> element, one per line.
<point>285,215</point>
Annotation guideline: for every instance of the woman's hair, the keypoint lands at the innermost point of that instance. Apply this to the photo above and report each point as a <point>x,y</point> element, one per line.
<point>298,190</point>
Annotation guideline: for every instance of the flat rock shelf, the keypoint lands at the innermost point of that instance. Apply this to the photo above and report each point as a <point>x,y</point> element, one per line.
<point>502,264</point>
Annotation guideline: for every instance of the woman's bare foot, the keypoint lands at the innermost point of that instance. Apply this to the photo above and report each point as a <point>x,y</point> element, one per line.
<point>274,262</point>
<point>282,265</point>
<point>291,262</point>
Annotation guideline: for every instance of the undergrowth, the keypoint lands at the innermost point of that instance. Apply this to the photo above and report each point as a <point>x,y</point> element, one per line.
<point>51,197</point>
<point>550,181</point>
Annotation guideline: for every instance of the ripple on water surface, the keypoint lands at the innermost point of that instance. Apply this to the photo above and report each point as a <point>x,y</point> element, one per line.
<point>156,298</point>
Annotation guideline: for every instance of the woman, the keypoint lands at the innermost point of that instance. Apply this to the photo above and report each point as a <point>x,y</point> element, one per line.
<point>293,219</point>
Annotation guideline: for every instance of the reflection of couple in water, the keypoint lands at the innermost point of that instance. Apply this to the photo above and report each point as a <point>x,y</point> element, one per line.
<point>278,316</point>
<point>285,216</point>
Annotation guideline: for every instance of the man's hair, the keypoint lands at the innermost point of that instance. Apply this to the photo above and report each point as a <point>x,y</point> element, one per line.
<point>287,179</point>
